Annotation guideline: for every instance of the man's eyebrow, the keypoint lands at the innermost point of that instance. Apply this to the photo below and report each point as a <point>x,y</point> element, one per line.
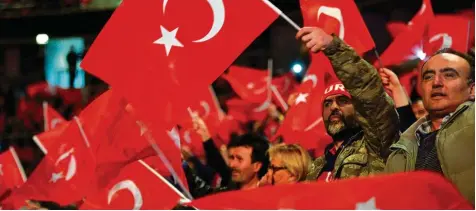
<point>428,71</point>
<point>449,69</point>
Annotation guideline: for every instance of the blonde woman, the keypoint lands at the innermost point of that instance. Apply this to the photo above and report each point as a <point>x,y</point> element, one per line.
<point>289,163</point>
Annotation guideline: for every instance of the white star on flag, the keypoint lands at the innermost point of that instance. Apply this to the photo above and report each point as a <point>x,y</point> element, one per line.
<point>168,39</point>
<point>368,205</point>
<point>301,98</point>
<point>56,176</point>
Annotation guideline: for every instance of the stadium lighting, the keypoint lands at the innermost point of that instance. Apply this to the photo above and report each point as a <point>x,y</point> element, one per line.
<point>42,39</point>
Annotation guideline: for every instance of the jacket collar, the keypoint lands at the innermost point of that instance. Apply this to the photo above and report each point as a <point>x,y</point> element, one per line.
<point>409,137</point>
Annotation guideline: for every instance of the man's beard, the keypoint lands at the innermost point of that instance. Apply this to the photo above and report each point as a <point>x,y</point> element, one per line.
<point>336,127</point>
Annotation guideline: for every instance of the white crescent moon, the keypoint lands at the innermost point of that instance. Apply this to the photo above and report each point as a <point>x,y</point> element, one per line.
<point>64,156</point>
<point>311,77</point>
<point>71,168</point>
<point>132,187</point>
<point>447,40</point>
<point>218,19</point>
<point>54,122</point>
<point>314,124</point>
<point>206,107</point>
<point>335,13</point>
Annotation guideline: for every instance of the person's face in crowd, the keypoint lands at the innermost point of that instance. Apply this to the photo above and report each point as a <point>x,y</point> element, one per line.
<point>445,84</point>
<point>278,173</point>
<point>419,109</point>
<point>338,114</point>
<point>239,160</point>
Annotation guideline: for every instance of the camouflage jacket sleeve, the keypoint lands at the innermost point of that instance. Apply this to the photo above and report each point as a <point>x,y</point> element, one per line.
<point>375,110</point>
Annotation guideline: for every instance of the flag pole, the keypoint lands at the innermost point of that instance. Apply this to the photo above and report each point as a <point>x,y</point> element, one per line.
<point>45,118</point>
<point>280,98</point>
<point>467,36</point>
<point>284,16</point>
<point>221,113</point>
<point>163,179</point>
<point>378,58</point>
<point>166,162</point>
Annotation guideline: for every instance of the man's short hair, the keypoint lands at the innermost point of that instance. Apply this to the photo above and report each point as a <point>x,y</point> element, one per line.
<point>468,58</point>
<point>259,146</point>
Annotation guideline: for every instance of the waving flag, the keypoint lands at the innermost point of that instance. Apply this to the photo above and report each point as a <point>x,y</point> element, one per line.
<point>341,17</point>
<point>151,53</point>
<point>12,174</point>
<point>68,167</point>
<point>137,186</point>
<point>51,117</point>
<point>415,190</point>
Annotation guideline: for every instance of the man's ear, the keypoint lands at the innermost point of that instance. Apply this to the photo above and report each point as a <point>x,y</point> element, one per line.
<point>257,166</point>
<point>471,92</point>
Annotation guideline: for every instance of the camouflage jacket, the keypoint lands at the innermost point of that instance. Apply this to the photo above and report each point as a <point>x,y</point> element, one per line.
<point>375,113</point>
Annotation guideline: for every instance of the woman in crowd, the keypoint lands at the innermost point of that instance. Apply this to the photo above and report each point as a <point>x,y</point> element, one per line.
<point>289,164</point>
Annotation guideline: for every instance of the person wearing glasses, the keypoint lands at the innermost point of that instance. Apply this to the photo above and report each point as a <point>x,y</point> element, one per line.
<point>289,164</point>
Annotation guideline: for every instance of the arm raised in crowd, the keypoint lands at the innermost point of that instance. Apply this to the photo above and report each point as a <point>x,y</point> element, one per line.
<point>212,153</point>
<point>402,102</point>
<point>376,112</point>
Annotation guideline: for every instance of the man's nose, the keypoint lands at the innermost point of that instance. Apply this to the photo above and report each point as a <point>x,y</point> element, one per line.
<point>437,81</point>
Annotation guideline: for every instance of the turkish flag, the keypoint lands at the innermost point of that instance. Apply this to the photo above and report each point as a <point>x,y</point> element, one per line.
<point>445,31</point>
<point>12,174</point>
<point>285,84</point>
<point>152,54</point>
<point>341,17</point>
<point>306,112</point>
<point>396,27</point>
<point>250,84</point>
<point>48,138</point>
<point>51,117</point>
<point>208,108</point>
<point>409,44</point>
<point>415,191</point>
<point>67,168</point>
<point>424,16</point>
<point>137,186</point>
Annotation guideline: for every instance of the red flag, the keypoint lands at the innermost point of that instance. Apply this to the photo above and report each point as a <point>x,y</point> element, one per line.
<point>306,113</point>
<point>46,139</point>
<point>67,168</point>
<point>341,17</point>
<point>408,45</point>
<point>248,83</point>
<point>12,174</point>
<point>415,190</point>
<point>395,28</point>
<point>51,117</point>
<point>138,186</point>
<point>40,88</point>
<point>447,31</point>
<point>285,84</point>
<point>147,41</point>
<point>423,16</point>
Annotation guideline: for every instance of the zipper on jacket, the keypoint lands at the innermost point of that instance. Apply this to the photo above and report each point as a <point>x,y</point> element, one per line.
<point>444,127</point>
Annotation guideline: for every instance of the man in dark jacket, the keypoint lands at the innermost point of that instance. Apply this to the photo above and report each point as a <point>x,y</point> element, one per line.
<point>247,161</point>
